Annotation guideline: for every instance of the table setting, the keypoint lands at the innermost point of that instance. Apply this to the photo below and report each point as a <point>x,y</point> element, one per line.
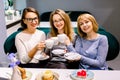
<point>64,74</point>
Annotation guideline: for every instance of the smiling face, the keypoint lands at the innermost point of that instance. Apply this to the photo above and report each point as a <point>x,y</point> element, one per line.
<point>86,25</point>
<point>31,20</point>
<point>58,22</point>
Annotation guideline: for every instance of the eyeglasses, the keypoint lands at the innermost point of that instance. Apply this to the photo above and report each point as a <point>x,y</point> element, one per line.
<point>32,19</point>
<point>56,21</point>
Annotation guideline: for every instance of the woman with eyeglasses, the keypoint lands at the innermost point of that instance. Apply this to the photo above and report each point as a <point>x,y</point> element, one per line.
<point>29,42</point>
<point>90,45</point>
<point>60,24</point>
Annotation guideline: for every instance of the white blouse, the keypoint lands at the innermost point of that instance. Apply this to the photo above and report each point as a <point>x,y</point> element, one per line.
<point>24,42</point>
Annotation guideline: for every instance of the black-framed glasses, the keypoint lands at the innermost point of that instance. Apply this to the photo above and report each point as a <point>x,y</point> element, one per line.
<point>32,19</point>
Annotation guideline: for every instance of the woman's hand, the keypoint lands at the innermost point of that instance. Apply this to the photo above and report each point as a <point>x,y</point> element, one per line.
<point>67,41</point>
<point>41,45</point>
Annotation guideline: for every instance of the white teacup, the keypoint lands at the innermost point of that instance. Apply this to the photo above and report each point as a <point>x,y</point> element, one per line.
<point>61,38</point>
<point>55,39</point>
<point>49,43</point>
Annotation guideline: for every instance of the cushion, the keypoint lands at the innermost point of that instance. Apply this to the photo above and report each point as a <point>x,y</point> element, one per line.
<point>74,14</point>
<point>45,16</point>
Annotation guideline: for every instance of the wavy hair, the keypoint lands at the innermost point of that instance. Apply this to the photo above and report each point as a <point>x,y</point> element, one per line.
<point>68,30</point>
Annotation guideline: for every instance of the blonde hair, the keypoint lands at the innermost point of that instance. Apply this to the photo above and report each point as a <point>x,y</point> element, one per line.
<point>91,18</point>
<point>68,30</point>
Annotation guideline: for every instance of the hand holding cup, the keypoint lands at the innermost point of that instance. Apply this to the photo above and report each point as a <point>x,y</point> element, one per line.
<point>62,38</point>
<point>41,45</point>
<point>49,43</point>
<point>55,39</point>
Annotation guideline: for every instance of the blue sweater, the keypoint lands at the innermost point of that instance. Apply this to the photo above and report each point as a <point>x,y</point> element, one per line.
<point>93,52</point>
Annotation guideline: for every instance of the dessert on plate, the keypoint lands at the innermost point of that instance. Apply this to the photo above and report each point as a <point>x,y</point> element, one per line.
<point>82,74</point>
<point>23,72</point>
<point>20,73</point>
<point>47,75</point>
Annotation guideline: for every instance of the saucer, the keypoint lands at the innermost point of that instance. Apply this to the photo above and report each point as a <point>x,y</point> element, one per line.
<point>90,75</point>
<point>58,51</point>
<point>72,56</point>
<point>41,57</point>
<point>28,74</point>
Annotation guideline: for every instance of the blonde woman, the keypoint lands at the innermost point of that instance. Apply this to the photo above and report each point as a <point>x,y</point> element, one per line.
<point>91,46</point>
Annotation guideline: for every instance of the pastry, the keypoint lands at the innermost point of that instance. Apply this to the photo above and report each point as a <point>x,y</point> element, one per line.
<point>23,72</point>
<point>48,75</point>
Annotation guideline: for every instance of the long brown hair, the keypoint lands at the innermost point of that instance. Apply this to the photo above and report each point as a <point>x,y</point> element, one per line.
<point>68,30</point>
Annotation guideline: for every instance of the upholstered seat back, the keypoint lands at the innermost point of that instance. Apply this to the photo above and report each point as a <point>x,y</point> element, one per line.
<point>113,51</point>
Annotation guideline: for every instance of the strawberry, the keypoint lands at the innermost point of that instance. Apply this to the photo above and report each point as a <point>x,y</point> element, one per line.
<point>81,73</point>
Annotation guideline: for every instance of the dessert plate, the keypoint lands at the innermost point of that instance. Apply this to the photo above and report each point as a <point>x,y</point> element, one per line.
<point>40,75</point>
<point>29,75</point>
<point>72,56</point>
<point>58,51</point>
<point>90,75</point>
<point>41,57</point>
